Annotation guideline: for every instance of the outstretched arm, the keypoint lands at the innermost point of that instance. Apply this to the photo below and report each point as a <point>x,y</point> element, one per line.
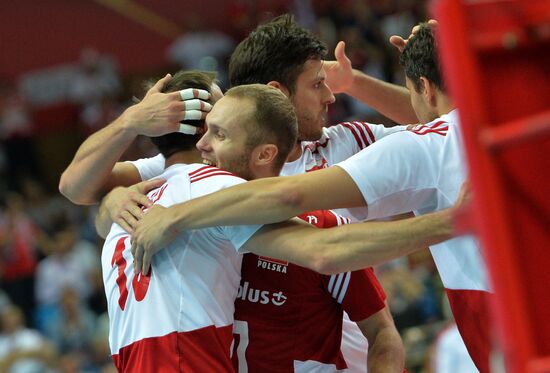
<point>350,247</point>
<point>389,99</point>
<point>340,249</point>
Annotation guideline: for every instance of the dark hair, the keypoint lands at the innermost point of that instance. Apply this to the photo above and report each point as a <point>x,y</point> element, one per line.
<point>272,122</point>
<point>174,142</point>
<point>420,58</point>
<point>276,51</point>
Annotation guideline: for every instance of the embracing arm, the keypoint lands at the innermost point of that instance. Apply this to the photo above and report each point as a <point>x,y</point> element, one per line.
<point>386,353</point>
<point>351,247</point>
<point>261,201</point>
<point>94,170</point>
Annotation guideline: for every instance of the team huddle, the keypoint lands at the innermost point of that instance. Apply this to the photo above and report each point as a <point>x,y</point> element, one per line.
<point>243,245</point>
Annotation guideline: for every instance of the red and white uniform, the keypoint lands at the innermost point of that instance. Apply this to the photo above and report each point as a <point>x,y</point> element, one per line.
<point>289,318</point>
<point>180,316</point>
<point>422,170</point>
<point>337,143</point>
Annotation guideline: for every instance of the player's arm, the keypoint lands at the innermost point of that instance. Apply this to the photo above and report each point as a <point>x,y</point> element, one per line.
<point>261,201</point>
<point>386,353</point>
<point>350,247</point>
<point>94,169</point>
<point>389,99</point>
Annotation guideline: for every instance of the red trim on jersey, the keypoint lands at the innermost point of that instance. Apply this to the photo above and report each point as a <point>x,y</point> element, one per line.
<point>371,135</point>
<point>219,173</point>
<point>202,350</point>
<point>206,172</point>
<point>361,131</point>
<point>471,312</point>
<point>199,170</point>
<point>352,129</point>
<point>434,128</point>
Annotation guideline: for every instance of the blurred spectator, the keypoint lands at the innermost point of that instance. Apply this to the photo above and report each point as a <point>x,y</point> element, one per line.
<point>16,135</point>
<point>448,352</point>
<point>22,350</point>
<point>200,48</point>
<point>94,88</point>
<point>72,331</point>
<point>46,209</point>
<point>70,264</point>
<point>19,238</point>
<point>412,295</point>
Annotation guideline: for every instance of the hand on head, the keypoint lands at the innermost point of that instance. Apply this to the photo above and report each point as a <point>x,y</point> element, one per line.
<point>398,41</point>
<point>161,113</point>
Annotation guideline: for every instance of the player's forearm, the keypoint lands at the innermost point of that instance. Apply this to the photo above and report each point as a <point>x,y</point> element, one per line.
<point>262,201</point>
<point>362,245</point>
<point>88,174</point>
<point>389,99</point>
<point>386,353</point>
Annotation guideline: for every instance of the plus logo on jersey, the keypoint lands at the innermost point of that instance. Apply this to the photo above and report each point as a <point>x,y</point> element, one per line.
<point>272,264</point>
<point>249,294</point>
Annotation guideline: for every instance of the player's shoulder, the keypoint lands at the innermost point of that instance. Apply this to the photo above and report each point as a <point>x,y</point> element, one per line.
<point>437,127</point>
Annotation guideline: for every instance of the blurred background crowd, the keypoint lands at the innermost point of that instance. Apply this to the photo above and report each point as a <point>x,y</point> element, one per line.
<point>52,305</point>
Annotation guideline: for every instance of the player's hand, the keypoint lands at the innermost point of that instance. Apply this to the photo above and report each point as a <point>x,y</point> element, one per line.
<point>398,41</point>
<point>124,205</point>
<point>339,72</point>
<point>161,113</point>
<point>151,234</point>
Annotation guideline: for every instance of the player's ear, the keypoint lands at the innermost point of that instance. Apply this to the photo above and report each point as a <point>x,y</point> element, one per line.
<point>265,154</point>
<point>281,87</point>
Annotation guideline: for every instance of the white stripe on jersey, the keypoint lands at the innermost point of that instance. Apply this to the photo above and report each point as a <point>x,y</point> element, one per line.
<point>344,288</point>
<point>338,290</point>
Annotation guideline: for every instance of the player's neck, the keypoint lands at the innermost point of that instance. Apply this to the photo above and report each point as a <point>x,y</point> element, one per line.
<point>295,153</point>
<point>444,104</point>
<point>184,156</point>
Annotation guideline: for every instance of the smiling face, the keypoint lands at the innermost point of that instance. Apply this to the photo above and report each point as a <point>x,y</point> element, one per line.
<point>224,144</point>
<point>311,98</point>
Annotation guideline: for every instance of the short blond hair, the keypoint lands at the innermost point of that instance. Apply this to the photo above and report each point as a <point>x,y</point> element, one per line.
<point>273,120</point>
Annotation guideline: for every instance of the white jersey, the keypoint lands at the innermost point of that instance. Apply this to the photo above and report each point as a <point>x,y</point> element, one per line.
<point>337,144</point>
<point>422,170</point>
<point>183,310</point>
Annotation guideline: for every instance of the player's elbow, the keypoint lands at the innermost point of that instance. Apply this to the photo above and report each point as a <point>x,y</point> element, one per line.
<point>325,261</point>
<point>68,189</point>
<point>290,195</point>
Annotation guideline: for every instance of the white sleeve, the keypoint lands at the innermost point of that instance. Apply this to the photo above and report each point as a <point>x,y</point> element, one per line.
<point>395,175</point>
<point>149,168</point>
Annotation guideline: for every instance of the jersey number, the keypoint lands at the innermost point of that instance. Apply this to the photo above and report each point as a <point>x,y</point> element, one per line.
<point>140,283</point>
<point>240,343</point>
